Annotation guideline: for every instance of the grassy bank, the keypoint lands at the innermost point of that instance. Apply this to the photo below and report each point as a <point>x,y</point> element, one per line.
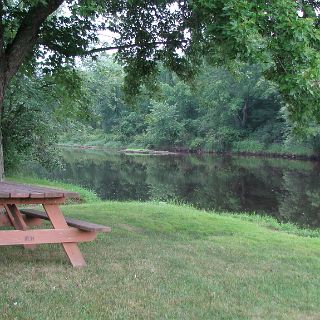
<point>164,261</point>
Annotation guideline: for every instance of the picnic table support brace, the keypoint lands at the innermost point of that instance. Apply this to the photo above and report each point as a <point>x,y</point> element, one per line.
<point>58,222</point>
<point>17,221</point>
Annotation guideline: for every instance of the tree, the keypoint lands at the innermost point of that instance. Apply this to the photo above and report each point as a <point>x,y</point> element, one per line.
<point>283,34</point>
<point>103,80</point>
<point>164,128</point>
<point>33,113</point>
<point>27,128</point>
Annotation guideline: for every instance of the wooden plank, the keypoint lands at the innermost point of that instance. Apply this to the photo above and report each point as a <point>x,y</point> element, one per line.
<point>18,223</point>
<point>80,224</point>
<point>58,221</point>
<point>25,187</point>
<point>16,190</point>
<point>4,201</point>
<point>52,194</point>
<point>67,236</point>
<point>19,194</point>
<point>30,221</point>
<point>4,194</point>
<point>4,220</point>
<point>18,219</point>
<point>36,195</point>
<point>10,216</point>
<point>4,190</point>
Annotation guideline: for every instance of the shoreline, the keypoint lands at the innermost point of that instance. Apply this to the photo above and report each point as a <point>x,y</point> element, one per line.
<point>288,156</point>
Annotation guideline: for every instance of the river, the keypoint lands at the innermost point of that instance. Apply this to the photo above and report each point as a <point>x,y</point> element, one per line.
<point>288,190</point>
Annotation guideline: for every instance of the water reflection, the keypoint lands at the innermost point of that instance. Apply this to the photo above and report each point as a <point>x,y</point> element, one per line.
<point>287,190</point>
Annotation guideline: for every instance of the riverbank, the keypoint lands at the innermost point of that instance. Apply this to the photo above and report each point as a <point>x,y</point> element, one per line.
<point>274,151</point>
<point>168,261</point>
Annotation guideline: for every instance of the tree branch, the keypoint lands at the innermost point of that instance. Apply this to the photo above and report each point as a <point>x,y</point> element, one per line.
<point>27,36</point>
<point>64,51</point>
<point>126,46</point>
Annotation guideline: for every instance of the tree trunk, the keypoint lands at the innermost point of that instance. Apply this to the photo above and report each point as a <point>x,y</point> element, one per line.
<point>1,113</point>
<point>1,158</point>
<point>244,114</point>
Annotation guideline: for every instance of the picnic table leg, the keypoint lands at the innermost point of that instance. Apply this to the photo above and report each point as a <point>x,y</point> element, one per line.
<point>17,221</point>
<point>58,221</point>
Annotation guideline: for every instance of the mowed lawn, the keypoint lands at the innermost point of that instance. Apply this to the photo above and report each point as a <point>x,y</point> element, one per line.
<point>164,261</point>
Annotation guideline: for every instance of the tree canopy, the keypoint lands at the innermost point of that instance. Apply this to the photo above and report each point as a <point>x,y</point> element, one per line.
<point>283,35</point>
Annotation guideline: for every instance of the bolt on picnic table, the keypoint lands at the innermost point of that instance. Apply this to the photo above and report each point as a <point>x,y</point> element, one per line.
<point>66,231</point>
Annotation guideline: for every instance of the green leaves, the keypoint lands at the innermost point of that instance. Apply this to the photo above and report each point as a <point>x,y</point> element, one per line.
<point>282,34</point>
<point>164,128</point>
<point>271,33</point>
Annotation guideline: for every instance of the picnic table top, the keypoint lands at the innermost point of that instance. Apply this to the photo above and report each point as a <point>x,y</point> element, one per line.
<point>11,190</point>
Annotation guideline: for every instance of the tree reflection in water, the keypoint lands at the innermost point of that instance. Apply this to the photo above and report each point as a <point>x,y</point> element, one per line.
<point>286,189</point>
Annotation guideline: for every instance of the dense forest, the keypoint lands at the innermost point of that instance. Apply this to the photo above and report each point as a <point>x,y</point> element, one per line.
<point>218,110</point>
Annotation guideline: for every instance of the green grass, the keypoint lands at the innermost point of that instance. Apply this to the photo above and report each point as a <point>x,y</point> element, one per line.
<point>298,150</point>
<point>248,146</point>
<point>165,261</point>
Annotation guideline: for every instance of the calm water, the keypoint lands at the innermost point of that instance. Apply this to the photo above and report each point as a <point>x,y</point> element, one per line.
<point>285,189</point>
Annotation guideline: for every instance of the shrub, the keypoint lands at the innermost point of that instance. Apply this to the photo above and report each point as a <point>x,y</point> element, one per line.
<point>221,139</point>
<point>248,146</point>
<point>196,143</point>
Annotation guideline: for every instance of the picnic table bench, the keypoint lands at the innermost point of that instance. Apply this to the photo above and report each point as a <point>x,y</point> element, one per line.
<point>66,231</point>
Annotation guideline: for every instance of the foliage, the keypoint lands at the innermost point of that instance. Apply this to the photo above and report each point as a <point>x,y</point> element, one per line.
<point>219,109</point>
<point>248,146</point>
<point>163,125</point>
<point>34,110</point>
<point>282,35</point>
<point>271,33</point>
<point>214,113</point>
<point>221,139</point>
<point>27,129</point>
<point>276,35</point>
<point>103,82</point>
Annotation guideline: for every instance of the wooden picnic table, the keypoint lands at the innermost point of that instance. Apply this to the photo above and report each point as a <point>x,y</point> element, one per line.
<point>66,231</point>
